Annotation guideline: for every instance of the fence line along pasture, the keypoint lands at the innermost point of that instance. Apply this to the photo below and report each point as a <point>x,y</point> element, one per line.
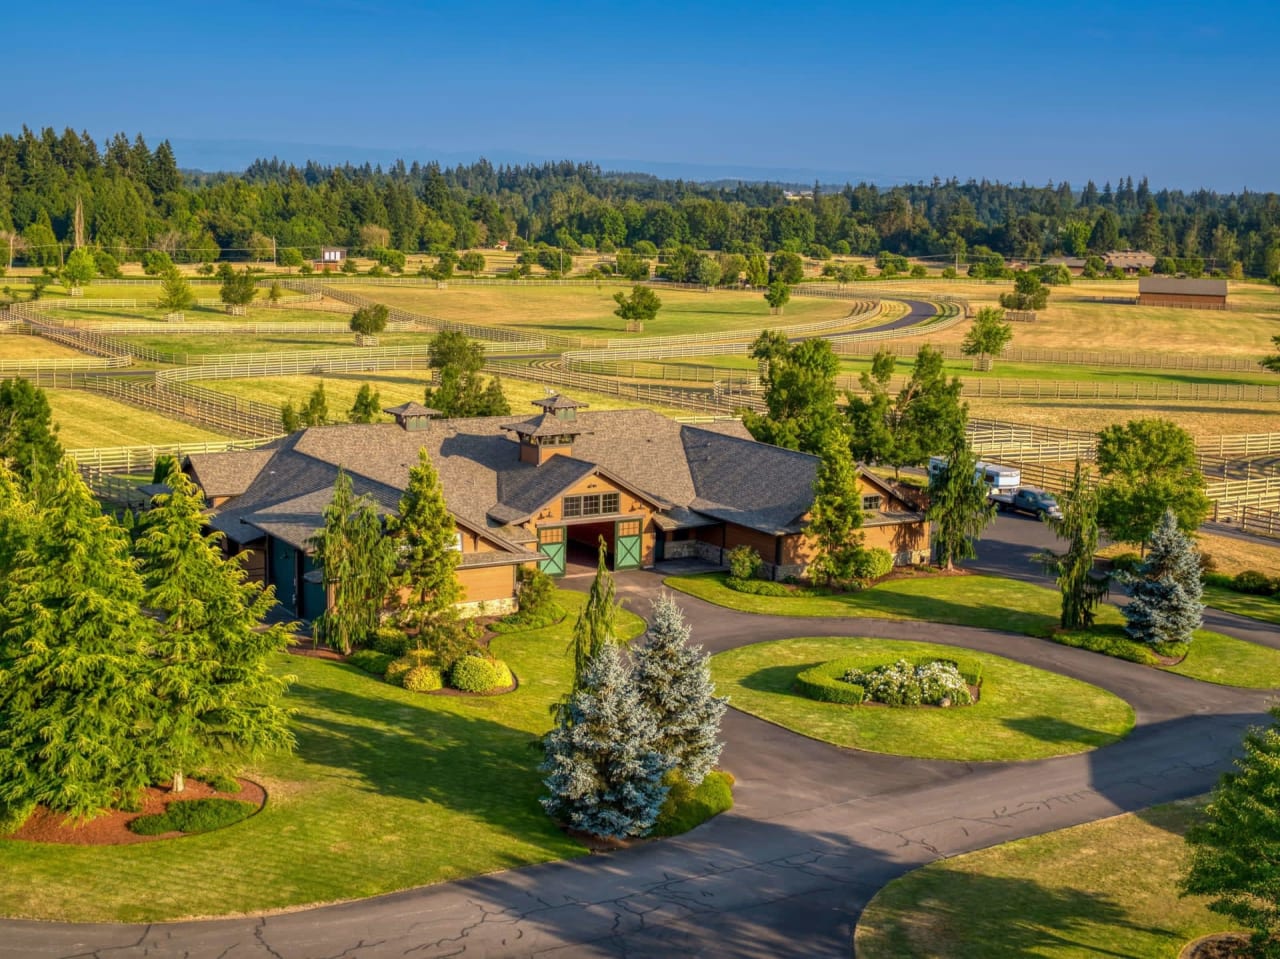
<point>859,314</point>
<point>212,411</point>
<point>142,459</point>
<point>1131,359</point>
<point>1093,390</point>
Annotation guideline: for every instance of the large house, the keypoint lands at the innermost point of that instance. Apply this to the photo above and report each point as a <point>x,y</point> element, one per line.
<point>524,490</point>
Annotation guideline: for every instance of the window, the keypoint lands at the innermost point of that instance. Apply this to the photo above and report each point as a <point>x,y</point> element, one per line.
<point>590,504</point>
<point>872,504</point>
<point>553,534</point>
<point>457,542</point>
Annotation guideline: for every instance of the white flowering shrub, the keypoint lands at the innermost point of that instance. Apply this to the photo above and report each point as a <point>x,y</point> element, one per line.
<point>905,684</point>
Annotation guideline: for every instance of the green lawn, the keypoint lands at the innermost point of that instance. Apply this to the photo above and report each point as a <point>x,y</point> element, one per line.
<point>1264,608</point>
<point>1108,888</point>
<point>86,420</point>
<point>993,603</point>
<point>387,789</point>
<point>1023,713</point>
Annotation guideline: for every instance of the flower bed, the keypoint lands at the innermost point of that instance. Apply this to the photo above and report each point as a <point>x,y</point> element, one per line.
<point>855,680</point>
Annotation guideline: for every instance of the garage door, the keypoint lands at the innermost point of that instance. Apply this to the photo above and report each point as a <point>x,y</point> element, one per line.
<point>627,544</point>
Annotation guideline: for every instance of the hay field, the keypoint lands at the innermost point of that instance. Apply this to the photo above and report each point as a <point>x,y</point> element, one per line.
<point>1200,419</point>
<point>588,311</point>
<point>19,346</point>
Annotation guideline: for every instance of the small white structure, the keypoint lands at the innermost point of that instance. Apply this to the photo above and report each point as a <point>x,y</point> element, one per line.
<point>996,478</point>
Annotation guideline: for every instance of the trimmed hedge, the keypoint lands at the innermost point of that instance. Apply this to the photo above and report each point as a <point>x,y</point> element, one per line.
<point>476,674</point>
<point>423,679</point>
<point>371,661</point>
<point>824,684</point>
<point>1112,641</point>
<point>1254,583</point>
<point>519,622</point>
<point>413,658</point>
<point>757,587</point>
<point>194,815</point>
<point>688,806</point>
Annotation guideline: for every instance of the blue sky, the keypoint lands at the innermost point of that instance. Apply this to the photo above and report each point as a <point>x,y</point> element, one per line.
<point>1186,94</point>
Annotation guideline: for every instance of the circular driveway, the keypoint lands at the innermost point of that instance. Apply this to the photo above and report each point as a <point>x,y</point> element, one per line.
<point>816,831</point>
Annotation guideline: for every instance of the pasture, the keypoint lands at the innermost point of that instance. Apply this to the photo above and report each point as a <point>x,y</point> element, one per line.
<point>87,420</point>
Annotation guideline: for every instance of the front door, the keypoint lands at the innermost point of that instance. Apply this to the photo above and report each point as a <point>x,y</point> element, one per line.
<point>627,544</point>
<point>284,573</point>
<point>552,541</point>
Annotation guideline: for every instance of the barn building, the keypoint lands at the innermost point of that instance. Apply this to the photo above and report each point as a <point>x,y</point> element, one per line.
<point>1184,293</point>
<point>541,489</point>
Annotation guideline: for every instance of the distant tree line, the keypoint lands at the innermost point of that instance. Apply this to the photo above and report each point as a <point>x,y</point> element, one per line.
<point>60,191</point>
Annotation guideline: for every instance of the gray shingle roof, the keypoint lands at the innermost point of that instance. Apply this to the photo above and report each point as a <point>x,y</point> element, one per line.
<point>559,402</point>
<point>548,424</point>
<point>1181,286</point>
<point>228,474</point>
<point>412,409</point>
<point>752,484</point>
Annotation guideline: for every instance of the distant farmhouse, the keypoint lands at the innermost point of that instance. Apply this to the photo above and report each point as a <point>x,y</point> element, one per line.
<point>530,490</point>
<point>1188,294</point>
<point>1129,262</point>
<point>331,258</point>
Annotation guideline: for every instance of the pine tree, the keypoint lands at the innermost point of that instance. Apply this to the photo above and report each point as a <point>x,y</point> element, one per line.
<point>958,507</point>
<point>74,669</point>
<point>290,421</point>
<point>358,562</point>
<point>367,405</point>
<point>425,541</point>
<point>604,774</point>
<point>493,402</point>
<point>1081,590</point>
<point>1165,594</point>
<point>1235,851</point>
<point>595,625</point>
<point>175,292</point>
<point>216,701</point>
<point>28,438</point>
<point>836,515</point>
<point>673,680</point>
<point>316,412</point>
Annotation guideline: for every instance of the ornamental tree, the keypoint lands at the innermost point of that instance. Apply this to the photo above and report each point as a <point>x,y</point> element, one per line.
<point>604,772</point>
<point>958,507</point>
<point>215,700</point>
<point>643,304</point>
<point>673,680</point>
<point>777,295</point>
<point>1235,850</point>
<point>1165,593</point>
<point>597,622</point>
<point>74,648</point>
<point>358,561</point>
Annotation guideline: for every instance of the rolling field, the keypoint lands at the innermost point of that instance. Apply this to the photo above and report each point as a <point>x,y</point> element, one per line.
<point>86,420</point>
<point>17,346</point>
<point>588,311</point>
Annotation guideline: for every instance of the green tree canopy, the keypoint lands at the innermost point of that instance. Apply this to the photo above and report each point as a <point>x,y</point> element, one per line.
<point>958,506</point>
<point>871,434</point>
<point>175,292</point>
<point>800,395</point>
<point>1148,466</point>
<point>1272,363</point>
<point>1165,593</point>
<point>316,410</point>
<point>79,269</point>
<point>988,336</point>
<point>367,405</point>
<point>836,516</point>
<point>238,289</point>
<point>369,320</point>
<point>927,417</point>
<point>1029,293</point>
<point>642,304</point>
<point>778,295</point>
<point>1082,589</point>
<point>28,438</point>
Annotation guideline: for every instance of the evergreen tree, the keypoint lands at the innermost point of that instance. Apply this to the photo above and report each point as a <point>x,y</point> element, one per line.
<point>425,540</point>
<point>595,625</point>
<point>367,405</point>
<point>74,691</point>
<point>836,517</point>
<point>1235,851</point>
<point>358,562</point>
<point>1081,590</point>
<point>673,680</point>
<point>958,507</point>
<point>1165,594</point>
<point>290,421</point>
<point>493,402</point>
<point>928,417</point>
<point>604,772</point>
<point>316,412</point>
<point>28,438</point>
<point>215,700</point>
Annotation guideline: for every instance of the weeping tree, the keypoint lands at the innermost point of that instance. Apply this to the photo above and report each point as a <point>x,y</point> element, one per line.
<point>215,701</point>
<point>958,506</point>
<point>1082,591</point>
<point>604,771</point>
<point>358,561</point>
<point>1165,604</point>
<point>674,682</point>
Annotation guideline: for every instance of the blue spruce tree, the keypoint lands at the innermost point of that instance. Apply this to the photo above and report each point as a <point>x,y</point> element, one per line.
<point>673,680</point>
<point>604,775</point>
<point>1165,604</point>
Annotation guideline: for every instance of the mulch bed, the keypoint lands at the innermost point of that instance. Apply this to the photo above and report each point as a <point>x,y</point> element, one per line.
<point>111,828</point>
<point>1221,945</point>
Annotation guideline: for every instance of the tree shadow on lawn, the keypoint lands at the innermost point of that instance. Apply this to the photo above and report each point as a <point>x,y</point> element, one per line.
<point>1012,918</point>
<point>775,679</point>
<point>1051,729</point>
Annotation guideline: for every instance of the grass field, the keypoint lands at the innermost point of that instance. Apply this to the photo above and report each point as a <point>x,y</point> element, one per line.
<point>588,311</point>
<point>1108,888</point>
<point>1264,608</point>
<point>387,789</point>
<point>1023,713</point>
<point>1199,418</point>
<point>106,290</point>
<point>989,602</point>
<point>18,346</point>
<point>1232,554</point>
<point>86,420</point>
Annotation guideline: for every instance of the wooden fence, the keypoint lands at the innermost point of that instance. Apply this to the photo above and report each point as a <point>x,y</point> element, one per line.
<point>142,459</point>
<point>1125,359</point>
<point>714,400</point>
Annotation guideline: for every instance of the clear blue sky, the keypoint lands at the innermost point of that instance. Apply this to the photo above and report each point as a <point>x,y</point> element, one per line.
<point>1186,94</point>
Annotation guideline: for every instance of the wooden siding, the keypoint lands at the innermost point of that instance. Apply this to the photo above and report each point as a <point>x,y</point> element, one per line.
<point>1183,301</point>
<point>630,507</point>
<point>487,583</point>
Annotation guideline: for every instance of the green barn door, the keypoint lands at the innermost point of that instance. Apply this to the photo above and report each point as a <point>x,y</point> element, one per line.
<point>627,544</point>
<point>552,542</point>
<point>284,571</point>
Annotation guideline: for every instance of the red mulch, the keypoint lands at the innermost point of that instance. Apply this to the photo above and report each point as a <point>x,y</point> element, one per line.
<point>1223,945</point>
<point>111,829</point>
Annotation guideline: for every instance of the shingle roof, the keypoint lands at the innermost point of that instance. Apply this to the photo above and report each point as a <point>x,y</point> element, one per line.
<point>228,474</point>
<point>752,484</point>
<point>548,424</point>
<point>1182,286</point>
<point>559,402</point>
<point>412,409</point>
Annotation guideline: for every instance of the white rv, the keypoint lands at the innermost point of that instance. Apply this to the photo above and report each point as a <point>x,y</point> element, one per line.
<point>996,478</point>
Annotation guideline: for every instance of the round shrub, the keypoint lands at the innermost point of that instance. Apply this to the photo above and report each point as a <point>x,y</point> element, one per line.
<point>414,657</point>
<point>389,640</point>
<point>744,562</point>
<point>193,815</point>
<point>873,563</point>
<point>1253,582</point>
<point>371,661</point>
<point>423,679</point>
<point>475,674</point>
